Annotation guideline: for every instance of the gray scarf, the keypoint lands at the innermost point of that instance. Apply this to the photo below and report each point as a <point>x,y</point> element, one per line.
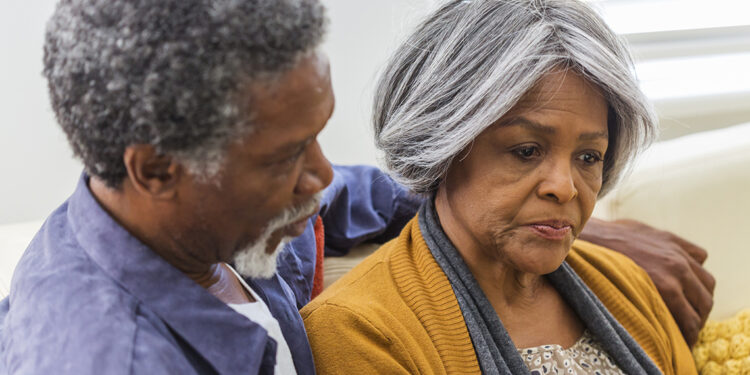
<point>495,350</point>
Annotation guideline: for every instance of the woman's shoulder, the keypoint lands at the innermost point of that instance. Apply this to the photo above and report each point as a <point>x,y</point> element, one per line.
<point>613,277</point>
<point>383,277</point>
<point>399,308</point>
<point>631,297</point>
<point>357,286</point>
<point>586,257</point>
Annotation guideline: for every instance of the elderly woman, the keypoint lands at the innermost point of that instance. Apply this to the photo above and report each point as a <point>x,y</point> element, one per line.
<point>513,116</point>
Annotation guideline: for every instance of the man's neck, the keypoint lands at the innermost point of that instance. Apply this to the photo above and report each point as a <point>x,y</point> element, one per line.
<point>217,278</point>
<point>224,284</point>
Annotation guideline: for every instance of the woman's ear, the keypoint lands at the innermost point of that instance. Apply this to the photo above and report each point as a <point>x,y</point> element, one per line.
<point>152,173</point>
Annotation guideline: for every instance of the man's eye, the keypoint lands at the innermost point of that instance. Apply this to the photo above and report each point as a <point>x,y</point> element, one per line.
<point>527,152</point>
<point>291,159</point>
<point>590,157</point>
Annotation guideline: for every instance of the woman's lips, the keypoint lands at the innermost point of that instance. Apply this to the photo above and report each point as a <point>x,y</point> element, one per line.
<point>551,232</point>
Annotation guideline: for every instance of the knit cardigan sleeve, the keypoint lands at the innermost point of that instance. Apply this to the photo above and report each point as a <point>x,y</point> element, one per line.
<point>394,313</point>
<point>346,342</point>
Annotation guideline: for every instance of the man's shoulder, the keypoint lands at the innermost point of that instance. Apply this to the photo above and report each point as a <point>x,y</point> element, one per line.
<point>102,340</point>
<point>85,324</point>
<point>69,330</point>
<point>56,271</point>
<point>65,313</point>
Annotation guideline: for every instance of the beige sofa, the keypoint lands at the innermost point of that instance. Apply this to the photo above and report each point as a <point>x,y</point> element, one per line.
<point>13,241</point>
<point>697,186</point>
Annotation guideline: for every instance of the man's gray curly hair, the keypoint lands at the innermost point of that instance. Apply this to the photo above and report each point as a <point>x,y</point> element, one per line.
<point>471,61</point>
<point>166,73</point>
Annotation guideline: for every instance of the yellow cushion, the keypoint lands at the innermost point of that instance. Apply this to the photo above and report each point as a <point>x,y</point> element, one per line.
<point>724,346</point>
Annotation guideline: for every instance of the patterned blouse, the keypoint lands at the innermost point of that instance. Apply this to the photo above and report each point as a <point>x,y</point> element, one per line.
<point>584,357</point>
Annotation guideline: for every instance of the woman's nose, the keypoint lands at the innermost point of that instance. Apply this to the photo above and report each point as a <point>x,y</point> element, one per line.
<point>558,184</point>
<point>317,172</point>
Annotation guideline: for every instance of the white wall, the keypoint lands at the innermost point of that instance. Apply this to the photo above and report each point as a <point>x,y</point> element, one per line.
<point>361,37</point>
<point>37,170</point>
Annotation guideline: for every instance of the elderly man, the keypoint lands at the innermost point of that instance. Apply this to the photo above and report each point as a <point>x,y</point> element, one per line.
<point>196,122</point>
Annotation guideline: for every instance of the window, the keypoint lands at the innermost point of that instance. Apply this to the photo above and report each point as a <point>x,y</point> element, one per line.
<point>692,57</point>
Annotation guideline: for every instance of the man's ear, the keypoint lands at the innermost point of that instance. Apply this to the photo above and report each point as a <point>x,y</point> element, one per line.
<point>151,173</point>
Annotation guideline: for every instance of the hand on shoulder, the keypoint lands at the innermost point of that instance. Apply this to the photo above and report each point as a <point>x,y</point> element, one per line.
<point>673,263</point>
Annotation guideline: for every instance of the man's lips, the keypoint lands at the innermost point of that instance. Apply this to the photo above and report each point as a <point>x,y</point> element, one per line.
<point>554,230</point>
<point>296,228</point>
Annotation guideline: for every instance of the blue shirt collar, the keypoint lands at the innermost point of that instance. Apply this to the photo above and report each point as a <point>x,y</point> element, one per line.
<point>227,340</point>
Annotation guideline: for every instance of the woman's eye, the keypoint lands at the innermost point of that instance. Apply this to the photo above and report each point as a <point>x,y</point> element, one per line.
<point>527,152</point>
<point>590,158</point>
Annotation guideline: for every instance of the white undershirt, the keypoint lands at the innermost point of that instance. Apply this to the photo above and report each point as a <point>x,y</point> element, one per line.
<point>258,312</point>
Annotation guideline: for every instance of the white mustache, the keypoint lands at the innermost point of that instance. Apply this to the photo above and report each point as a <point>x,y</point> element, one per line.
<point>305,209</point>
<point>253,261</point>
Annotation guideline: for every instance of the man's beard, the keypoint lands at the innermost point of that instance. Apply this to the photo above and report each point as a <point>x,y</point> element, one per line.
<point>253,261</point>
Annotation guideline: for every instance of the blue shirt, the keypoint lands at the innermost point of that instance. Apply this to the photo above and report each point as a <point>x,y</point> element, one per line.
<point>89,298</point>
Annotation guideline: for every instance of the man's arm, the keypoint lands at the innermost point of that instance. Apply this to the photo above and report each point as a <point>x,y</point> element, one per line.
<point>363,204</point>
<point>673,263</point>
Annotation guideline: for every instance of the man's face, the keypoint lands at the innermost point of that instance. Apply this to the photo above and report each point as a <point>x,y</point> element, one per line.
<point>270,176</point>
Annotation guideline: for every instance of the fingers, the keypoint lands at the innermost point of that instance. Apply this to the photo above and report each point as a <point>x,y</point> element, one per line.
<point>699,286</point>
<point>685,316</point>
<point>696,252</point>
<point>697,283</point>
<point>705,277</point>
<point>687,290</point>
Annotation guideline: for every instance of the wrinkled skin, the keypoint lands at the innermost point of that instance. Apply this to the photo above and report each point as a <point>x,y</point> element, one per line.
<point>516,200</point>
<point>195,225</point>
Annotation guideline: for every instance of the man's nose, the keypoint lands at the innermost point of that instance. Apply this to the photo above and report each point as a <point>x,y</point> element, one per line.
<point>317,172</point>
<point>558,183</point>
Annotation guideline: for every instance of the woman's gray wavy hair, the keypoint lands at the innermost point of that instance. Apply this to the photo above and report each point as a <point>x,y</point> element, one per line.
<point>166,73</point>
<point>469,63</point>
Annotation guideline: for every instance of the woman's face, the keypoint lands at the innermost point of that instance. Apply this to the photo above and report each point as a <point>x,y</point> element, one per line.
<point>524,189</point>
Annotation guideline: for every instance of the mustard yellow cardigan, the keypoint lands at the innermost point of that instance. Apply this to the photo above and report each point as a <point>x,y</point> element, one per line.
<point>396,313</point>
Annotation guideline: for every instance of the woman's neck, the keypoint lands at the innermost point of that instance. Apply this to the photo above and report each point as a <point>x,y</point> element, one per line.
<point>504,286</point>
<point>531,310</point>
<point>495,275</point>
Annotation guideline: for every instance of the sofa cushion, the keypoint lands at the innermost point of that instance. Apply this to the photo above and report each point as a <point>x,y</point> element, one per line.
<point>697,187</point>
